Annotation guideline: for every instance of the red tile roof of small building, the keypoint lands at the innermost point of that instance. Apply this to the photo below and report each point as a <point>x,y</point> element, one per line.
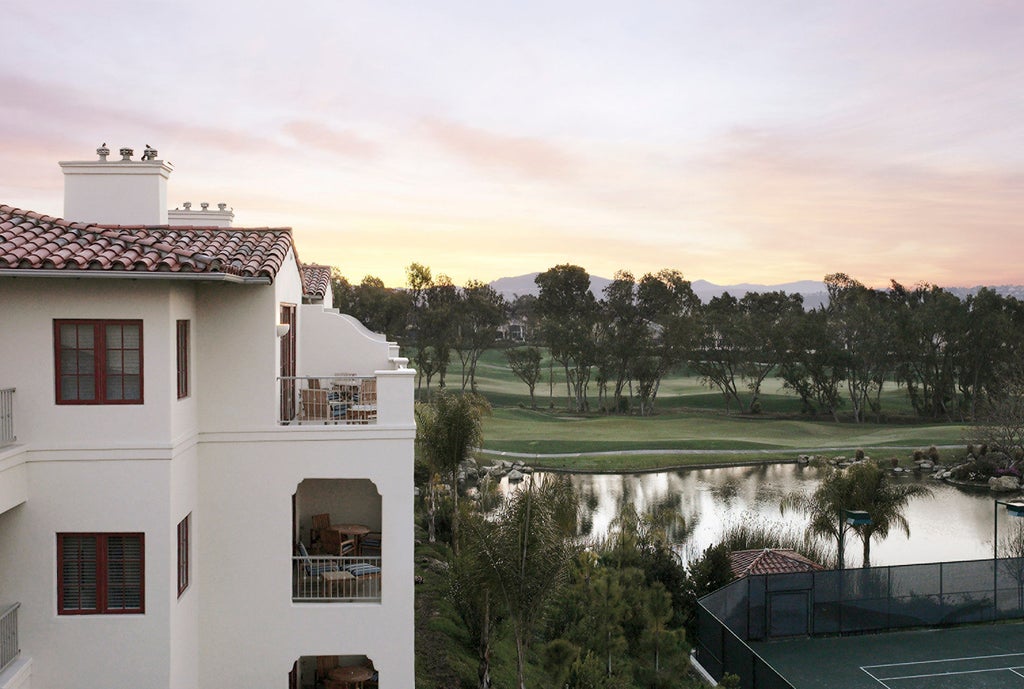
<point>316,280</point>
<point>769,561</point>
<point>33,241</point>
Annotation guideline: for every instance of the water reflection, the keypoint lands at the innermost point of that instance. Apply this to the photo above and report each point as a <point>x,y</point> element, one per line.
<point>951,525</point>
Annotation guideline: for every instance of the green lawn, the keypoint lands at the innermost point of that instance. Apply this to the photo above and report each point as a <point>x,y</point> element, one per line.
<point>691,426</point>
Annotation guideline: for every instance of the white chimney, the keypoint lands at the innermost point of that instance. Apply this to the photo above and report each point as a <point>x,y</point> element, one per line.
<point>117,192</point>
<point>222,217</point>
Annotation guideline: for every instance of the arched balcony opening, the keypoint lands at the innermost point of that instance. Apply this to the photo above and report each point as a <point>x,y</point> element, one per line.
<point>337,541</point>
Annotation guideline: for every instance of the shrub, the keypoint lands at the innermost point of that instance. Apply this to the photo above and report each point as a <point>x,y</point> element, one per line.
<point>933,453</point>
<point>859,455</point>
<point>918,455</point>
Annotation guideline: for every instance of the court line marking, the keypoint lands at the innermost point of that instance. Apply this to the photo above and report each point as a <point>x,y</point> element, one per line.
<point>945,660</point>
<point>874,678</point>
<point>944,674</point>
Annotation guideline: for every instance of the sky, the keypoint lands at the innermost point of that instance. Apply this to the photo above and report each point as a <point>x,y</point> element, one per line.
<point>762,142</point>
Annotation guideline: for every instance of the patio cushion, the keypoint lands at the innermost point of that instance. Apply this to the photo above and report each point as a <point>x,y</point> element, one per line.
<point>361,569</point>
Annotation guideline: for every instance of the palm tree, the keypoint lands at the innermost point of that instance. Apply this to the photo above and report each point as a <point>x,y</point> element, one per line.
<point>863,486</point>
<point>447,430</point>
<point>824,506</point>
<point>874,492</point>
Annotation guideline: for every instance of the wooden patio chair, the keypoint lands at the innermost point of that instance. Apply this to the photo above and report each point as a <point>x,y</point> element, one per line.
<point>320,522</point>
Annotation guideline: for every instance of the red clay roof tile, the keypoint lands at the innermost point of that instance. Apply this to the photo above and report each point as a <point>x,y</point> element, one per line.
<point>768,561</point>
<point>32,241</point>
<point>316,279</point>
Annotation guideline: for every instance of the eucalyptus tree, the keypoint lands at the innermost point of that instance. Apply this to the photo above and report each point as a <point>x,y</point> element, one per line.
<point>626,336</point>
<point>669,306</point>
<point>718,356</point>
<point>524,362</point>
<point>767,320</point>
<point>860,327</point>
<point>813,365</point>
<point>478,313</point>
<point>930,321</point>
<point>567,312</point>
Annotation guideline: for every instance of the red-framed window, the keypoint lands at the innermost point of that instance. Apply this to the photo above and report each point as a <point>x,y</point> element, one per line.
<point>182,349</point>
<point>101,573</point>
<point>184,537</point>
<point>98,361</point>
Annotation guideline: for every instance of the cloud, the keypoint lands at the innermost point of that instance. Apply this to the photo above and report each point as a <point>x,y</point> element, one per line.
<point>344,143</point>
<point>527,156</point>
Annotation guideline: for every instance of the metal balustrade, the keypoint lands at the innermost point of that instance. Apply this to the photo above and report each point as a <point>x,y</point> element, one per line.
<point>323,578</point>
<point>329,400</point>
<point>9,649</point>
<point>7,416</point>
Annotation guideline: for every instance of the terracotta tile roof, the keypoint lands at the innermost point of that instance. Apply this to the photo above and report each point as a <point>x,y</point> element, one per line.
<point>768,561</point>
<point>32,241</point>
<point>316,280</point>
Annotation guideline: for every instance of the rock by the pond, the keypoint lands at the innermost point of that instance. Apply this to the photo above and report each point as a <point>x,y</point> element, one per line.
<point>515,476</point>
<point>1003,484</point>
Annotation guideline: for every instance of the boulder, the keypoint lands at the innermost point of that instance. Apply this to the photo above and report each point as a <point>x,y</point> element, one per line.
<point>515,476</point>
<point>1003,484</point>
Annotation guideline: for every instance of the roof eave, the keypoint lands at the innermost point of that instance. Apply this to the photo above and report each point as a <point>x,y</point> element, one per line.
<point>133,275</point>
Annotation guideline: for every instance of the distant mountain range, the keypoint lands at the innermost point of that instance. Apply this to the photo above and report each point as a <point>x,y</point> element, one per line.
<point>813,291</point>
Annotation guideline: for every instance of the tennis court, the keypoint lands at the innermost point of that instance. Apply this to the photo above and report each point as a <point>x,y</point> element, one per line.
<point>987,656</point>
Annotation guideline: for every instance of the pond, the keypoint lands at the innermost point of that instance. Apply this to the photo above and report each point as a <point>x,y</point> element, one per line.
<point>952,524</point>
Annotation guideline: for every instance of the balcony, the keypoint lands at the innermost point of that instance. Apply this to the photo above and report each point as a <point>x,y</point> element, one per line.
<point>331,578</point>
<point>7,436</point>
<point>9,649</point>
<point>340,399</point>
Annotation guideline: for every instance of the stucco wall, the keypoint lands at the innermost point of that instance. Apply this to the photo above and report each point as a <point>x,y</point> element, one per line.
<point>250,629</point>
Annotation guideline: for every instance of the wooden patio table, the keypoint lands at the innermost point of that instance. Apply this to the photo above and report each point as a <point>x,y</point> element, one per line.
<point>350,675</point>
<point>356,531</point>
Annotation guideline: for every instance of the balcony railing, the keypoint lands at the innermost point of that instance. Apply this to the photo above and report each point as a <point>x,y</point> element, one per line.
<point>323,578</point>
<point>326,400</point>
<point>7,416</point>
<point>9,649</point>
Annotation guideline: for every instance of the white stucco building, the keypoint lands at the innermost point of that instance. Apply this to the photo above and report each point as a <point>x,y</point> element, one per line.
<point>176,404</point>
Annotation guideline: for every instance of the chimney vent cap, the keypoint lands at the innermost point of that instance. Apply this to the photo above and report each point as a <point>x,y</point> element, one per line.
<point>204,205</point>
<point>127,153</point>
<point>103,152</point>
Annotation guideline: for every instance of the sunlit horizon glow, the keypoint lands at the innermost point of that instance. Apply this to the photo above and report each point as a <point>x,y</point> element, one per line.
<point>735,141</point>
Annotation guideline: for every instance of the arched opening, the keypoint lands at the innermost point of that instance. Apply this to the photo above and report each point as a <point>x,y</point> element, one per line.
<point>337,534</point>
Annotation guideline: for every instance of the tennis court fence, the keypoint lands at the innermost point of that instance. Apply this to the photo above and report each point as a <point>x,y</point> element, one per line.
<point>850,601</point>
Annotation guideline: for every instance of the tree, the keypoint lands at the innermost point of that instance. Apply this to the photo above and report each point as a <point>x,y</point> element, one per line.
<point>478,314</point>
<point>447,430</point>
<point>767,321</point>
<point>863,486</point>
<point>718,355</point>
<point>669,307</point>
<point>525,365</point>
<point>999,421</point>
<point>813,365</point>
<point>860,328</point>
<point>874,492</point>
<point>567,312</point>
<point>528,553</point>
<point>472,590</point>
<point>929,322</point>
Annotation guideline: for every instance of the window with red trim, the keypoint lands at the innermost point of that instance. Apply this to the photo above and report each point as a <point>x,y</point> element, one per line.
<point>182,349</point>
<point>184,527</point>
<point>100,573</point>
<point>98,361</point>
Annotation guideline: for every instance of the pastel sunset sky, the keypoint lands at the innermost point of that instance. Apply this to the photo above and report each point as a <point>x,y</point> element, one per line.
<point>735,141</point>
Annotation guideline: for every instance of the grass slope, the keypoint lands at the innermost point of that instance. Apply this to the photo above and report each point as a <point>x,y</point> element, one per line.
<point>690,419</point>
